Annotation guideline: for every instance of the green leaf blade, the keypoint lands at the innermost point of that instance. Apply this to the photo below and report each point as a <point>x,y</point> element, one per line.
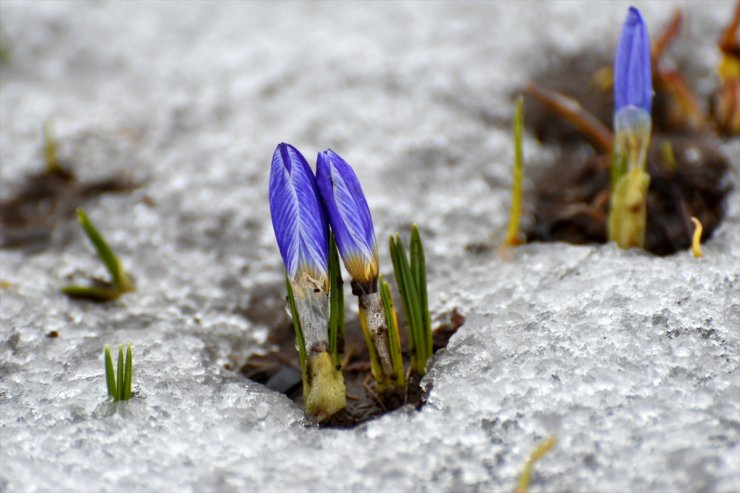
<point>512,234</point>
<point>91,293</point>
<point>336,303</point>
<point>110,378</point>
<point>393,333</point>
<point>418,263</point>
<point>410,302</point>
<point>121,378</point>
<point>118,276</point>
<point>128,374</point>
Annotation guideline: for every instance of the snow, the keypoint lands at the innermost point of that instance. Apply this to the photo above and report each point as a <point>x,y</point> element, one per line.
<point>632,360</point>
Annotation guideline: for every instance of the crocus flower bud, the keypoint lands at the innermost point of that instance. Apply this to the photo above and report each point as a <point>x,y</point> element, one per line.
<point>633,76</point>
<point>633,94</point>
<point>352,225</point>
<point>302,234</point>
<point>298,217</point>
<point>350,218</point>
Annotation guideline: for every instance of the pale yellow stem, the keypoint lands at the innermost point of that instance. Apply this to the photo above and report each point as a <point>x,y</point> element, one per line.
<point>696,239</point>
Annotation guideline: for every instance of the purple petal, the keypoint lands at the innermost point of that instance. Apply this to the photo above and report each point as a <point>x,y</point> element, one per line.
<point>298,216</point>
<point>349,215</point>
<point>633,80</point>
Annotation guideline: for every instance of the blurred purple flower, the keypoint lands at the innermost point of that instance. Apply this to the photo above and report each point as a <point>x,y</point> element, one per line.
<point>633,85</point>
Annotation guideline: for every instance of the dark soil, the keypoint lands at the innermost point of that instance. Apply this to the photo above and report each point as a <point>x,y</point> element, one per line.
<point>28,219</point>
<point>279,368</point>
<point>571,198</point>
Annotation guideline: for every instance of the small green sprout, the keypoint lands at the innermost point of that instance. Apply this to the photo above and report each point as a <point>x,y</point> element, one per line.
<point>101,290</point>
<point>696,238</point>
<point>119,388</point>
<point>412,285</point>
<point>526,475</point>
<point>51,159</point>
<point>513,236</point>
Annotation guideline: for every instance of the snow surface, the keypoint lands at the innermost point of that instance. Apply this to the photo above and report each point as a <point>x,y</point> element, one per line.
<point>632,360</point>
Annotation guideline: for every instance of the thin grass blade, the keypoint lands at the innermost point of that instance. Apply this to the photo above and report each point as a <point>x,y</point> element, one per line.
<point>375,367</point>
<point>393,333</point>
<point>120,379</point>
<point>397,269</point>
<point>410,301</point>
<point>336,300</point>
<point>128,374</point>
<point>418,262</point>
<point>110,378</point>
<point>118,276</point>
<point>513,235</point>
<point>92,293</point>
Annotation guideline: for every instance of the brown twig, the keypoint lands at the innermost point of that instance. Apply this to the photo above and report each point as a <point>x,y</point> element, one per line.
<point>728,42</point>
<point>572,111</point>
<point>666,36</point>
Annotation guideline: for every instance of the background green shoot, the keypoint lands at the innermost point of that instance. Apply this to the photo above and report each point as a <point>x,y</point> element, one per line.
<point>120,282</point>
<point>119,388</point>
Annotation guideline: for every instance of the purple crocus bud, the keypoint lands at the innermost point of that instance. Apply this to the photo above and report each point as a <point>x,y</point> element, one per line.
<point>633,78</point>
<point>349,217</point>
<point>298,218</point>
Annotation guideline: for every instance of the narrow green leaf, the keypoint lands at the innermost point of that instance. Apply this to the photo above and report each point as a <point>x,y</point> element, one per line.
<point>300,341</point>
<point>418,262</point>
<point>110,379</point>
<point>51,161</point>
<point>92,293</point>
<point>512,235</point>
<point>128,372</point>
<point>121,378</point>
<point>393,333</point>
<point>410,300</point>
<point>118,275</point>
<point>375,367</point>
<point>404,301</point>
<point>405,281</point>
<point>336,303</point>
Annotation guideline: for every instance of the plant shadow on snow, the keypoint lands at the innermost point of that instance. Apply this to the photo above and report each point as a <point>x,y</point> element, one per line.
<point>278,368</point>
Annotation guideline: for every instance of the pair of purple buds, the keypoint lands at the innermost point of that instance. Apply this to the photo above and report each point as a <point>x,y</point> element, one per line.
<point>303,206</point>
